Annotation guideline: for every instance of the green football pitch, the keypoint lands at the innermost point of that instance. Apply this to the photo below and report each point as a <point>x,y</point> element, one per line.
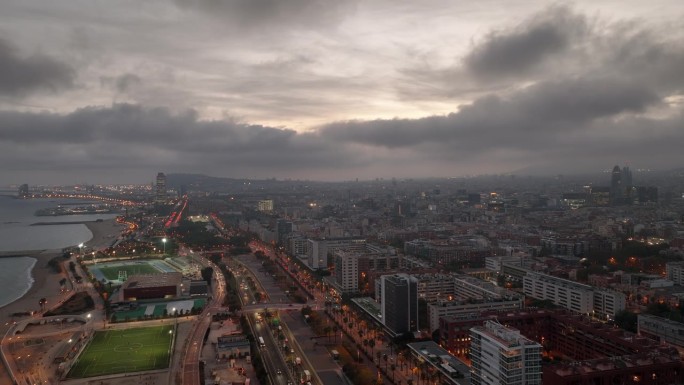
<point>112,272</point>
<point>125,351</point>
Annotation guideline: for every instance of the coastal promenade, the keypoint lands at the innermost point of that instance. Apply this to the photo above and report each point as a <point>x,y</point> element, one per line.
<point>46,282</point>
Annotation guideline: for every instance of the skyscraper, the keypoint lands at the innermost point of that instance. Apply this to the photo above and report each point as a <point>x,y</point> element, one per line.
<point>616,187</point>
<point>160,195</point>
<point>501,356</point>
<point>399,302</point>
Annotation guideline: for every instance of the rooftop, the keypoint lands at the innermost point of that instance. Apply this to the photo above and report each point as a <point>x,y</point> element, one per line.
<point>153,280</point>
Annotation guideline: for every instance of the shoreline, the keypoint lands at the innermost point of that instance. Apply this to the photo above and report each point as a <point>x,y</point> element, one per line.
<point>29,279</point>
<point>44,281</point>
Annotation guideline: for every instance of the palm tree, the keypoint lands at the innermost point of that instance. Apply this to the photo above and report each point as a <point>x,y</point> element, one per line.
<point>371,343</point>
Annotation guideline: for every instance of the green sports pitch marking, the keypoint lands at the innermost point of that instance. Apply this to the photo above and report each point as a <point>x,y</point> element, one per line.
<point>125,351</point>
<point>112,272</point>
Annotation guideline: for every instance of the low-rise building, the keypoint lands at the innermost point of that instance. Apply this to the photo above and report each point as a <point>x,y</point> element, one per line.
<point>562,292</point>
<point>152,286</point>
<point>661,329</point>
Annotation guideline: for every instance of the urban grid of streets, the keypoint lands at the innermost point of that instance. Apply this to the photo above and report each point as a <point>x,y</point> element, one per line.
<point>300,341</point>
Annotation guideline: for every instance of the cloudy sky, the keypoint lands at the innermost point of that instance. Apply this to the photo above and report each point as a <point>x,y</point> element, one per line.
<point>115,91</point>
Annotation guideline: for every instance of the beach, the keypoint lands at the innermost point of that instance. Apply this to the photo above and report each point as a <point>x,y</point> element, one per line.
<point>46,281</point>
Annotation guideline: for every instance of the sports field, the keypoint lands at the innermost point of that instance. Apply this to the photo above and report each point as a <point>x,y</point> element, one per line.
<point>112,272</point>
<point>125,351</point>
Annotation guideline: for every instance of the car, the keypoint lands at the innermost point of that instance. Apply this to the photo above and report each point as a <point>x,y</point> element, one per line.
<point>279,371</point>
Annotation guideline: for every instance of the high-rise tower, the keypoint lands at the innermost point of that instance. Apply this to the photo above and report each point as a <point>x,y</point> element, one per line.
<point>160,193</point>
<point>616,187</point>
<point>399,305</point>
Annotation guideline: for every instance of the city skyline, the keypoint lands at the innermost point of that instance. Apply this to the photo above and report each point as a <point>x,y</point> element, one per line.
<point>336,91</point>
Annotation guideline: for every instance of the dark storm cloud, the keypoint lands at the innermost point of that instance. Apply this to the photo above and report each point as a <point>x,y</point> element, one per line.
<point>551,89</point>
<point>555,45</point>
<point>127,135</point>
<point>20,75</point>
<point>549,106</point>
<point>521,49</point>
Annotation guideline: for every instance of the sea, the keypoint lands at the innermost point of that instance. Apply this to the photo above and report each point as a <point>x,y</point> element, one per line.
<point>17,234</point>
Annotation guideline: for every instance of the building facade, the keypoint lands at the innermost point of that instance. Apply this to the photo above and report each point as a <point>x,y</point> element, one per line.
<point>399,307</point>
<point>675,272</point>
<point>347,271</point>
<point>502,356</point>
<point>661,329</point>
<point>607,303</point>
<point>160,189</point>
<point>562,292</point>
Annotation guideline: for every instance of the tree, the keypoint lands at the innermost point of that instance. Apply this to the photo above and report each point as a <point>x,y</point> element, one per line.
<point>54,265</point>
<point>627,320</point>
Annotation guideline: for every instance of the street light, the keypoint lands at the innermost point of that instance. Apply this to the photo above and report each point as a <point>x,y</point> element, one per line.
<point>80,249</point>
<point>164,243</point>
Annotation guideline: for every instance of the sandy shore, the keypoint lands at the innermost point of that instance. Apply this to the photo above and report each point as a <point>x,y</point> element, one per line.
<point>46,282</point>
<point>104,233</point>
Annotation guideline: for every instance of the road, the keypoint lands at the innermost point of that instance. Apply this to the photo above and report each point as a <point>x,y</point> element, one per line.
<point>299,335</point>
<point>190,369</point>
<point>320,295</point>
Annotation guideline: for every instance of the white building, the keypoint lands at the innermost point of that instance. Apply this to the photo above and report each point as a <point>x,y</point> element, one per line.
<point>319,249</point>
<point>675,272</point>
<point>470,287</point>
<point>562,292</point>
<point>468,309</point>
<point>607,303</point>
<point>299,246</point>
<point>662,329</point>
<point>501,356</point>
<point>347,271</point>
